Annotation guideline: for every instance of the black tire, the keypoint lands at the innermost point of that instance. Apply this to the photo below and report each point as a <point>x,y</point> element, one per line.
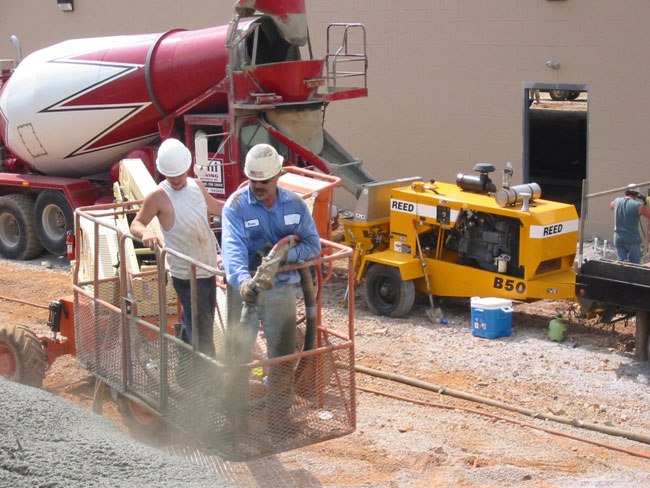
<point>386,293</point>
<point>21,356</point>
<point>140,422</point>
<point>642,336</point>
<point>18,238</point>
<point>53,217</point>
<point>572,95</point>
<point>558,95</point>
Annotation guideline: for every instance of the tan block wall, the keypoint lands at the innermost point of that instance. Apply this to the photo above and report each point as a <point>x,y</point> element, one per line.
<point>445,76</point>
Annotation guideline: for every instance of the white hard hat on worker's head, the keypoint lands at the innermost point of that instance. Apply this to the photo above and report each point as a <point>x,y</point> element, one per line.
<point>262,162</point>
<point>174,158</point>
<point>632,189</point>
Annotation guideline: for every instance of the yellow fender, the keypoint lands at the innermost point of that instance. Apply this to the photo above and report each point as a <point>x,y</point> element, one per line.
<point>409,266</point>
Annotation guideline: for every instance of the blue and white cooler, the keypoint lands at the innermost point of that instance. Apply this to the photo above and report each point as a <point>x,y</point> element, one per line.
<point>491,317</point>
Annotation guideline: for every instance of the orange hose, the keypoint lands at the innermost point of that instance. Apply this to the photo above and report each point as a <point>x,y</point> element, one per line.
<point>23,302</point>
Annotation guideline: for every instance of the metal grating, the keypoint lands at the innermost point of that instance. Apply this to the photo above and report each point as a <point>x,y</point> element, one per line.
<point>549,265</point>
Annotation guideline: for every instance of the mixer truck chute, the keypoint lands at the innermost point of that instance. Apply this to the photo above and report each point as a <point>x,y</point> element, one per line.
<point>93,102</point>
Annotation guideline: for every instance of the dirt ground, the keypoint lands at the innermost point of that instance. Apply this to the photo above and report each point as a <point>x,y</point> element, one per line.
<point>33,287</point>
<point>400,443</point>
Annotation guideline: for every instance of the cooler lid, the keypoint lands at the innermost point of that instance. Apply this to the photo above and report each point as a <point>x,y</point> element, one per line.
<point>491,303</point>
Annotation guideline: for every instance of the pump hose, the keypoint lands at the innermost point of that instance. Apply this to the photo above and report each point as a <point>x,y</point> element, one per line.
<point>311,311</point>
<point>495,403</point>
<point>306,369</point>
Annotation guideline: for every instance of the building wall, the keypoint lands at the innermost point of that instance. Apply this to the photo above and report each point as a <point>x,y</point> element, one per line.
<point>446,77</point>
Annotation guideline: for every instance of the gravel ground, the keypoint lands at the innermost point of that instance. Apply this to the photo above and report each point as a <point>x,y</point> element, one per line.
<point>591,377</point>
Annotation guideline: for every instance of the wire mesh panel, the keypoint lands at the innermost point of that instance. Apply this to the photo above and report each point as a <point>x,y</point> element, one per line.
<point>144,361</point>
<point>98,337</point>
<point>231,410</point>
<point>195,401</point>
<point>239,411</point>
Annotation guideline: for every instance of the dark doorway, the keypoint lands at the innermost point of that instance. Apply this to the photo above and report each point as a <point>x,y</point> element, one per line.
<point>555,152</point>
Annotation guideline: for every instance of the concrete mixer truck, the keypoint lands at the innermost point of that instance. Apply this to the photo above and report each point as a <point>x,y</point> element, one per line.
<point>70,112</point>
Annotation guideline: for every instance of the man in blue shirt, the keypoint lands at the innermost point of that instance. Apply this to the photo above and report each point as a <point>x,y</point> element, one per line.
<point>627,210</point>
<point>254,219</point>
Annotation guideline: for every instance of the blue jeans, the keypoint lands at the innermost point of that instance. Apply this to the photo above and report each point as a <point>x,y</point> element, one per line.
<point>278,317</point>
<point>630,252</point>
<point>207,295</point>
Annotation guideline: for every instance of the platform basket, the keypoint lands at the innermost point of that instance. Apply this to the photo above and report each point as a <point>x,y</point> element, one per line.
<point>239,409</point>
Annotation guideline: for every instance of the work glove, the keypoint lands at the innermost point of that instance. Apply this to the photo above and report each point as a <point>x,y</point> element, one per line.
<point>248,290</point>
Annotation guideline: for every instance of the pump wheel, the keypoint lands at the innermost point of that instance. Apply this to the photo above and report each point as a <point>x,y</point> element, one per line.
<point>21,356</point>
<point>141,423</point>
<point>386,293</point>
<point>18,238</point>
<point>572,95</point>
<point>53,217</point>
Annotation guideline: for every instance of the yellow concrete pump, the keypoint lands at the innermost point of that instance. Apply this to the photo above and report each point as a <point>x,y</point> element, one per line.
<point>463,240</point>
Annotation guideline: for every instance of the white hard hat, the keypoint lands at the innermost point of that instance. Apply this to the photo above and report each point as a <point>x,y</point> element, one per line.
<point>262,162</point>
<point>174,158</point>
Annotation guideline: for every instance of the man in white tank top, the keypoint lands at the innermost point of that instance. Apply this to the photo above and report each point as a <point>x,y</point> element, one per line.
<point>181,205</point>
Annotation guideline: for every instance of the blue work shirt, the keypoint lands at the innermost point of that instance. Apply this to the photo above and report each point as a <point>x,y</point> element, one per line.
<point>626,222</point>
<point>249,227</point>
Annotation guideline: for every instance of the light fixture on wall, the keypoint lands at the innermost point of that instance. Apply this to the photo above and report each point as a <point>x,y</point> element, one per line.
<point>553,64</point>
<point>65,5</point>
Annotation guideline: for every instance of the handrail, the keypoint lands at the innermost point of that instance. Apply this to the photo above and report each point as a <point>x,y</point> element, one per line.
<point>343,55</point>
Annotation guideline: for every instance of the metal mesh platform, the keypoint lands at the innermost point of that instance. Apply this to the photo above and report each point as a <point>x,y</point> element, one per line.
<point>236,411</point>
<point>225,407</point>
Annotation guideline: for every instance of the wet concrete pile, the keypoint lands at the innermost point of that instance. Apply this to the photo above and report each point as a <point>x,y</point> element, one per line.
<point>48,442</point>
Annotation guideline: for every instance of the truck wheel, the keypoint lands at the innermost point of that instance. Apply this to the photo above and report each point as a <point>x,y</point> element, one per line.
<point>21,356</point>
<point>642,335</point>
<point>53,217</point>
<point>572,95</point>
<point>18,238</point>
<point>558,95</point>
<point>140,422</point>
<point>386,293</point>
